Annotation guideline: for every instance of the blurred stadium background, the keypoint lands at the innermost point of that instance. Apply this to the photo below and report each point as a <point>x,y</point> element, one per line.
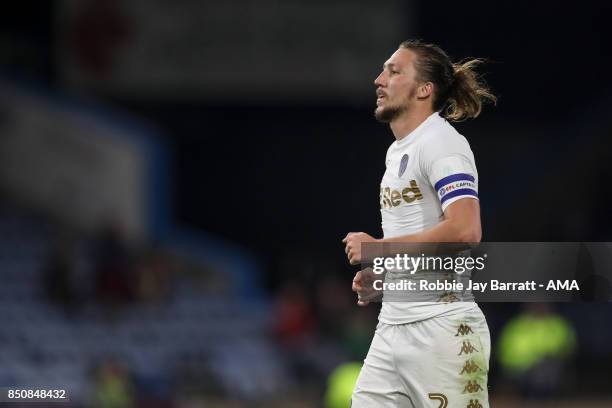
<point>175,179</point>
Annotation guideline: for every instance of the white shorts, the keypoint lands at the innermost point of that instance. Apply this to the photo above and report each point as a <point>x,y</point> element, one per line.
<point>439,362</point>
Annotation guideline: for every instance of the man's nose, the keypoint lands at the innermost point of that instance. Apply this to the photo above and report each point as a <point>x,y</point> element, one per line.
<point>379,81</point>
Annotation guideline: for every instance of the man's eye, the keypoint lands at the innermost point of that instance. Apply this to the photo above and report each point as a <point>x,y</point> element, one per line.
<point>394,72</point>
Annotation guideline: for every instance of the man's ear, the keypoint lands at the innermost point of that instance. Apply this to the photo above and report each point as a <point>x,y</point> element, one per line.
<point>425,90</point>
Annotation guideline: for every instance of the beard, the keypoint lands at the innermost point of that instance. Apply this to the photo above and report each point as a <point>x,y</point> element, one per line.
<point>386,115</point>
<point>389,113</point>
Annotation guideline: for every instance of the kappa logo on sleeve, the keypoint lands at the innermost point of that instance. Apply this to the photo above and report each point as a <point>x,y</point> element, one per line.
<point>456,185</point>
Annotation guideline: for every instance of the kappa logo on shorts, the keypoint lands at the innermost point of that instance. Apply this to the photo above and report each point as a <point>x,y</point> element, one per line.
<point>449,297</point>
<point>470,367</point>
<point>472,387</point>
<point>439,397</point>
<point>474,404</point>
<point>463,330</point>
<point>467,348</point>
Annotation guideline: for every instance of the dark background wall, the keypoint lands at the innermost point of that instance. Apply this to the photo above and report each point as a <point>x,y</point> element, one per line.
<point>300,170</point>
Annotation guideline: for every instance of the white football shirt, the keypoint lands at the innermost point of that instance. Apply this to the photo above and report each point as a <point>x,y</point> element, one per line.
<point>426,171</point>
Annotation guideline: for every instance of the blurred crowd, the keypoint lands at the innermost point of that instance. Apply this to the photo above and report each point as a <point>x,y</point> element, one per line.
<point>149,328</point>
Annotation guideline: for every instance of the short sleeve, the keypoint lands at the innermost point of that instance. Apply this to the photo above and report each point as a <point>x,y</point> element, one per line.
<point>451,170</point>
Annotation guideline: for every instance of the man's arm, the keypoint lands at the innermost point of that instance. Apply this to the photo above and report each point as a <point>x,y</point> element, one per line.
<point>461,224</point>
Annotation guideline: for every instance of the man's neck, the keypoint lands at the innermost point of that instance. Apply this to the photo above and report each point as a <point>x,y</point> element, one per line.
<point>405,124</point>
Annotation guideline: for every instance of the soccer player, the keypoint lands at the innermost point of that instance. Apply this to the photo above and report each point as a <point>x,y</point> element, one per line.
<point>426,354</point>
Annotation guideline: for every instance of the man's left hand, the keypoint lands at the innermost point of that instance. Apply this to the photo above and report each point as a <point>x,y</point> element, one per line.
<point>353,241</point>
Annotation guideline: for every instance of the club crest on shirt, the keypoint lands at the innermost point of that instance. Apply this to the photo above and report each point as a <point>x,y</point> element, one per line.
<point>403,165</point>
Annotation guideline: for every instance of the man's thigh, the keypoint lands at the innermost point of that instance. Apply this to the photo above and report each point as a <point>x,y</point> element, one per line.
<point>379,384</point>
<point>444,361</point>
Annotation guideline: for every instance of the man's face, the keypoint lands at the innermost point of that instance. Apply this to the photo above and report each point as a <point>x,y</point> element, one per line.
<point>396,86</point>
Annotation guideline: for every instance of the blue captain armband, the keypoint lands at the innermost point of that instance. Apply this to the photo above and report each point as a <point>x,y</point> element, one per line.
<point>455,186</point>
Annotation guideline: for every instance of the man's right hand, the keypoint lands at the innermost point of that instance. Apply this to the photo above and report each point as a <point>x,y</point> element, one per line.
<point>363,286</point>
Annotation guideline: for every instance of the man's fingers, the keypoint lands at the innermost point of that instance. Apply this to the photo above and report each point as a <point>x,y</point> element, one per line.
<point>356,286</point>
<point>361,300</point>
<point>347,236</point>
